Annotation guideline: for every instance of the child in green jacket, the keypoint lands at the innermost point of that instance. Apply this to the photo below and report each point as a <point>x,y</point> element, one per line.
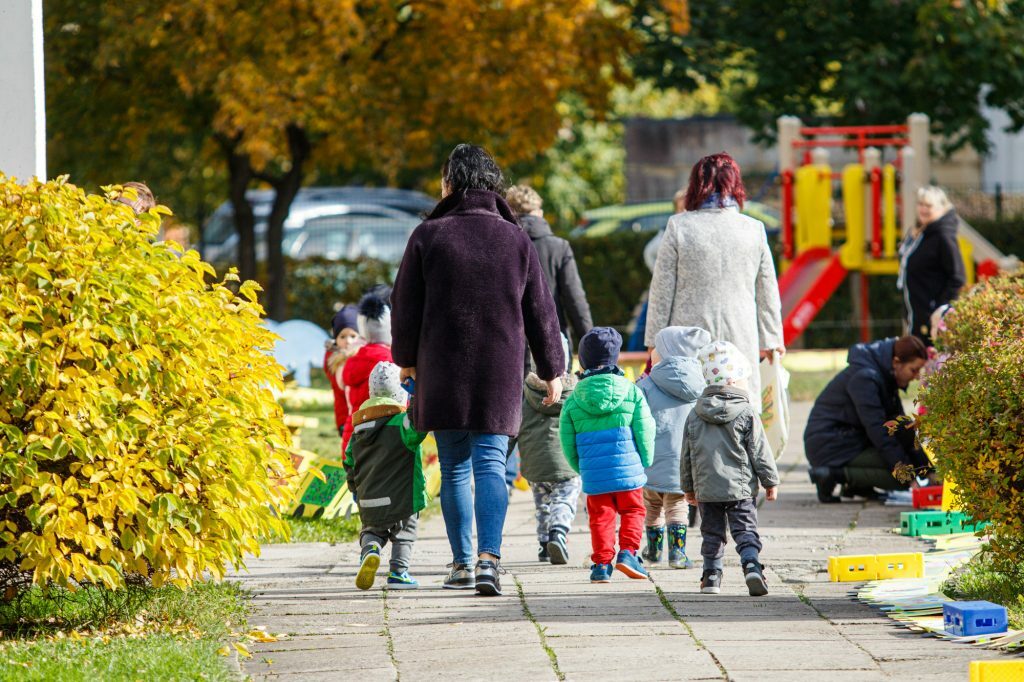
<point>607,435</point>
<point>385,473</point>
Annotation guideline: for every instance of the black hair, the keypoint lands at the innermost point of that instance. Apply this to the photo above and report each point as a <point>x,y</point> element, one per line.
<point>472,167</point>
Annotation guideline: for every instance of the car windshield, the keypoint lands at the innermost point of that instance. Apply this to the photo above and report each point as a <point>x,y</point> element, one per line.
<point>352,235</point>
<point>647,223</point>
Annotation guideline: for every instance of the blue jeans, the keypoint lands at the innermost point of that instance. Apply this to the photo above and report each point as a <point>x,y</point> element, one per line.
<point>462,453</point>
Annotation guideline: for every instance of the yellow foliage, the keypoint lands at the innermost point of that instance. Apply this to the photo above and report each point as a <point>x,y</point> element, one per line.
<point>391,83</point>
<point>138,429</point>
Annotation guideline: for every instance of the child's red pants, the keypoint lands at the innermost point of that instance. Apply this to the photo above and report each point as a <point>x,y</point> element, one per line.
<point>603,510</point>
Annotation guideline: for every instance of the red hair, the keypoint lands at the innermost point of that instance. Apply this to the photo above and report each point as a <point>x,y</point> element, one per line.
<point>717,173</point>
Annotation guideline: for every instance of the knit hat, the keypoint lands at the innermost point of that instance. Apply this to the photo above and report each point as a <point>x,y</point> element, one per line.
<point>346,318</point>
<point>722,362</point>
<point>385,382</point>
<point>374,321</point>
<point>681,341</point>
<point>600,347</point>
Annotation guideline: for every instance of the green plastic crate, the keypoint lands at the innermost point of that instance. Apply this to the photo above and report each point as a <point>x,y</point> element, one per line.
<point>937,523</point>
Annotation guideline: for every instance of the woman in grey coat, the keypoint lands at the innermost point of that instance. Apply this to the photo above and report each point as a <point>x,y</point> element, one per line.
<point>715,269</point>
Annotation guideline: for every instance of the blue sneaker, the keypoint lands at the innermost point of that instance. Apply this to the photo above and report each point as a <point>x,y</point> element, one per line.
<point>401,581</point>
<point>368,566</point>
<point>629,563</point>
<point>601,573</point>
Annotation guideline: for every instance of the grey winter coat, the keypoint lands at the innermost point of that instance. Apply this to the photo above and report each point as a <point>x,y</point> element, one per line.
<point>540,450</point>
<point>725,451</point>
<point>715,271</point>
<point>671,389</point>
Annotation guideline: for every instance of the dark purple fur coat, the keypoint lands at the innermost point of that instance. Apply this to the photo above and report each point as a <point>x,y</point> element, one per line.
<point>469,294</point>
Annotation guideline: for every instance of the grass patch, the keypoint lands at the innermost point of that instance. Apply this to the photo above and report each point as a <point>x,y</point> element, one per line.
<point>332,531</point>
<point>978,580</point>
<point>324,439</point>
<point>137,633</point>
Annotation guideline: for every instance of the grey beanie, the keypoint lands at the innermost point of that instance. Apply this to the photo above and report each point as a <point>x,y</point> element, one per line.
<point>681,341</point>
<point>385,383</point>
<point>374,319</point>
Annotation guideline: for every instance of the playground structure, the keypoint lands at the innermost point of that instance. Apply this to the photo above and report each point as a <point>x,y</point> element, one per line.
<point>818,255</point>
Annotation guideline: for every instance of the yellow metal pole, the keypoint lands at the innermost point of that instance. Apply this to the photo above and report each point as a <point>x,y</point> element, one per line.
<point>889,236</point>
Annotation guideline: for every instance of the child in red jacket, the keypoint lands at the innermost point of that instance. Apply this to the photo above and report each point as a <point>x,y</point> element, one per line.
<point>374,323</point>
<point>344,343</point>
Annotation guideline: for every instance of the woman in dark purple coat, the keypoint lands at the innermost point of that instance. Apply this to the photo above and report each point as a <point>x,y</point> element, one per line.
<point>468,292</point>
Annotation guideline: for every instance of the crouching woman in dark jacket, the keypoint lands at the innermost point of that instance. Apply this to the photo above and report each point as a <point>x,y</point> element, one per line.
<point>846,440</point>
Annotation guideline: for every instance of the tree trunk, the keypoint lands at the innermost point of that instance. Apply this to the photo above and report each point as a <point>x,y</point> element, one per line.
<point>239,177</point>
<point>285,188</point>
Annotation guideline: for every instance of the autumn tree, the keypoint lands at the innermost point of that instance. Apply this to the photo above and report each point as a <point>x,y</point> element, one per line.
<point>281,86</point>
<point>860,62</point>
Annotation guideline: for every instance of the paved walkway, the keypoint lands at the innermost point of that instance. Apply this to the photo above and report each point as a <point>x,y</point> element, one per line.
<point>552,623</point>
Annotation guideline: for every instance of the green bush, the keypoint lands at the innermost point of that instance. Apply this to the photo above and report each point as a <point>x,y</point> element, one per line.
<point>614,275</point>
<point>973,411</point>
<point>315,285</point>
<point>139,434</point>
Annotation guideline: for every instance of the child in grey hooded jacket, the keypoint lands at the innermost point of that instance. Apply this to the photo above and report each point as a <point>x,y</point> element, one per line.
<point>671,389</point>
<point>725,456</point>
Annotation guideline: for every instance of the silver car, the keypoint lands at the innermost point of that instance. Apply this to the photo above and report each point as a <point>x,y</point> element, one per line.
<point>330,222</point>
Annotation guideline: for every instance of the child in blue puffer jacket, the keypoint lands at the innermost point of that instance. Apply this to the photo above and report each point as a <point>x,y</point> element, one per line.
<point>672,389</point>
<point>607,435</point>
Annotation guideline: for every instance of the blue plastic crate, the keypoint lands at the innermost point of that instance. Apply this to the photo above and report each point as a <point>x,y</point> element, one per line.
<point>967,618</point>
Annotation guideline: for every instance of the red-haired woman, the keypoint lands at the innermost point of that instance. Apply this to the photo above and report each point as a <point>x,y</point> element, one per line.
<point>715,269</point>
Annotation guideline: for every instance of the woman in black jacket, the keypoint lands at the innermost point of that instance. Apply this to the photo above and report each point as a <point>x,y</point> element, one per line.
<point>931,267</point>
<point>846,440</point>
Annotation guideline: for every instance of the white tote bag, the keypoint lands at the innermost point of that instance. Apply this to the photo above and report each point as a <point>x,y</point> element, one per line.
<point>775,403</point>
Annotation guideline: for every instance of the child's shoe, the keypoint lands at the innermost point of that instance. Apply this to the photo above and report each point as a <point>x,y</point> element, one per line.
<point>557,550</point>
<point>629,563</point>
<point>542,554</point>
<point>601,573</point>
<point>655,541</point>
<point>753,573</point>
<point>368,566</point>
<point>711,581</point>
<point>401,581</point>
<point>677,547</point>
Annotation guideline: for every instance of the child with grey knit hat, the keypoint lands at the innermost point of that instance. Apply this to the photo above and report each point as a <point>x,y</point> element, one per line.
<point>384,464</point>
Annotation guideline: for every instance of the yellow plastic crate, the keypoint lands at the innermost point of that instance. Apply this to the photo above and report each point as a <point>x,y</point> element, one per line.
<point>997,671</point>
<point>910,565</point>
<point>846,569</point>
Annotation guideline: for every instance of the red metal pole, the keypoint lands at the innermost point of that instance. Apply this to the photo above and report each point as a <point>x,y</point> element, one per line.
<point>876,212</point>
<point>787,215</point>
<point>865,311</point>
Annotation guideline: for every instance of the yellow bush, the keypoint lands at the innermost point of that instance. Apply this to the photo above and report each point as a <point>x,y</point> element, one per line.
<point>138,430</point>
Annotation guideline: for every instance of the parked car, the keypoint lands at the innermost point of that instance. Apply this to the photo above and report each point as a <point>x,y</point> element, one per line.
<point>652,216</point>
<point>334,222</point>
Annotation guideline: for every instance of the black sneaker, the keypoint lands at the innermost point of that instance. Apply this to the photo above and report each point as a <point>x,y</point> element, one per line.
<point>488,578</point>
<point>542,553</point>
<point>459,578</point>
<point>557,550</point>
<point>711,581</point>
<point>753,573</point>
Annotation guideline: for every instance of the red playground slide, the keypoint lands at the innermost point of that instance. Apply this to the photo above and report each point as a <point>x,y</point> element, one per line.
<point>812,278</point>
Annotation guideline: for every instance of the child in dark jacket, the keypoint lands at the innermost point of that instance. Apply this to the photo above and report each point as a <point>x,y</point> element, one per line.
<point>725,456</point>
<point>374,322</point>
<point>607,435</point>
<point>556,487</point>
<point>385,473</point>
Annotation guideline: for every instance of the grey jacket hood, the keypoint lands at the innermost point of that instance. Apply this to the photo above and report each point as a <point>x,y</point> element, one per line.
<point>680,377</point>
<point>722,404</point>
<point>535,392</point>
<point>535,226</point>
<point>684,341</point>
